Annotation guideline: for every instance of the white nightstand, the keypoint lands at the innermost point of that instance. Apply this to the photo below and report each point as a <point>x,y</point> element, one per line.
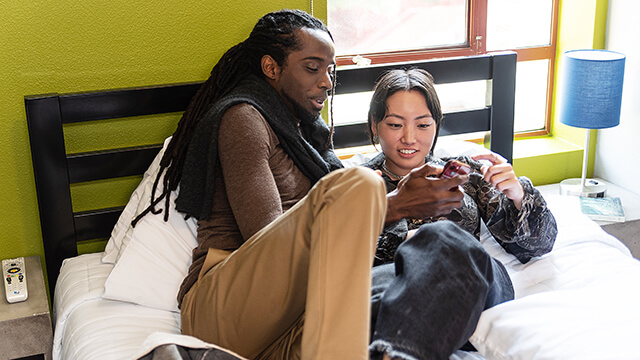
<point>628,231</point>
<point>25,327</point>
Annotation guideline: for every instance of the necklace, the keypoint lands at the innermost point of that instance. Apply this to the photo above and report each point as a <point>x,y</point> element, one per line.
<point>394,177</point>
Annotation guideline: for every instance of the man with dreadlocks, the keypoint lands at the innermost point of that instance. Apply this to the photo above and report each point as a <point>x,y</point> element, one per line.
<point>285,243</point>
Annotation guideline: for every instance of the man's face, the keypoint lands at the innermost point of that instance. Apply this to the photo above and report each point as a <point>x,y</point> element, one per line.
<point>305,78</point>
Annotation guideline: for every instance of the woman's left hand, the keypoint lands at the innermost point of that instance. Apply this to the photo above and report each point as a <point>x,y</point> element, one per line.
<point>501,175</point>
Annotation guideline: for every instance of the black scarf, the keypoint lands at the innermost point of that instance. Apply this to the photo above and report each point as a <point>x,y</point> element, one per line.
<point>314,157</point>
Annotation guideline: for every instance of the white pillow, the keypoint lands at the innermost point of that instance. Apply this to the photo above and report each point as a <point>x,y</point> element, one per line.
<point>139,200</point>
<point>151,268</point>
<point>589,323</point>
<point>152,258</point>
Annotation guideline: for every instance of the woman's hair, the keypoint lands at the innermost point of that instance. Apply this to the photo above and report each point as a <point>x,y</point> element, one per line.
<point>274,35</point>
<point>403,80</point>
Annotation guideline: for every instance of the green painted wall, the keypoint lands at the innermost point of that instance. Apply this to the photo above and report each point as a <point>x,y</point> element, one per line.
<point>69,46</point>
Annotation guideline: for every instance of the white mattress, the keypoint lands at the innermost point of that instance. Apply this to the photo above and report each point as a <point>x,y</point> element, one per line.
<point>578,302</point>
<point>88,327</point>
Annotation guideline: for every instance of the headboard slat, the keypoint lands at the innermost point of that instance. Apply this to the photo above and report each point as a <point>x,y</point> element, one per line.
<point>122,103</point>
<point>503,104</point>
<point>111,164</point>
<point>462,122</point>
<point>96,224</point>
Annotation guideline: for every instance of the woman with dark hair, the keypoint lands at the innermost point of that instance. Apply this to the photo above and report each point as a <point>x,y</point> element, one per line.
<point>432,277</point>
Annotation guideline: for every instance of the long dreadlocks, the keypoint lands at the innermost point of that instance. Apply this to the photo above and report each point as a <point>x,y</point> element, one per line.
<point>273,35</point>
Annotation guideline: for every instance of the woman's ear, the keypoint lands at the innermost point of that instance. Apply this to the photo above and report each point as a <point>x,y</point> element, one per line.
<point>270,67</point>
<point>374,129</point>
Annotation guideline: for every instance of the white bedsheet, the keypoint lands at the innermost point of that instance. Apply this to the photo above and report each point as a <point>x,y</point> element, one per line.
<point>578,302</point>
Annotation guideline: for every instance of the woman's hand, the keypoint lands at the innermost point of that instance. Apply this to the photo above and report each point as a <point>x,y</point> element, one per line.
<point>501,176</point>
<point>418,196</point>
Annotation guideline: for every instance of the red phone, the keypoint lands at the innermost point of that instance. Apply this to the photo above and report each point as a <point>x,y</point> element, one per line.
<point>455,168</point>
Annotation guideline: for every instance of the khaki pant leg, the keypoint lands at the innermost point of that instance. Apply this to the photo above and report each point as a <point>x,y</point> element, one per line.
<point>315,259</point>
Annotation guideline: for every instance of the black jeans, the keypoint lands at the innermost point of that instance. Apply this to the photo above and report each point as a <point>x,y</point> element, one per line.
<point>427,304</point>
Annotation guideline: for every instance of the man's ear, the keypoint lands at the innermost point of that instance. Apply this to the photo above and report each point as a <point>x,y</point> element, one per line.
<point>270,67</point>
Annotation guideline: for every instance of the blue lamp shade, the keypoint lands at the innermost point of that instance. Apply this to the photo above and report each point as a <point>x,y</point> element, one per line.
<point>591,88</point>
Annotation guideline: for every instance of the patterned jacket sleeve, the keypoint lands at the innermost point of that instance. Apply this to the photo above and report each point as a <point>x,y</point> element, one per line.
<point>525,233</point>
<point>392,236</point>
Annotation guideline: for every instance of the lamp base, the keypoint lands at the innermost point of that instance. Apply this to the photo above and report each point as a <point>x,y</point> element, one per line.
<point>592,188</point>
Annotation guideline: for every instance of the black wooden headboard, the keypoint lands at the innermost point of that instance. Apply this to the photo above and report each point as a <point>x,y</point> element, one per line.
<point>55,170</point>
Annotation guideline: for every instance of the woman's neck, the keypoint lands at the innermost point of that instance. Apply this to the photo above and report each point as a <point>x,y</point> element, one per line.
<point>391,174</point>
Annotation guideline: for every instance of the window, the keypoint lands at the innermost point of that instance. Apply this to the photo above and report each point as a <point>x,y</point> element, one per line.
<point>385,31</point>
<point>376,26</point>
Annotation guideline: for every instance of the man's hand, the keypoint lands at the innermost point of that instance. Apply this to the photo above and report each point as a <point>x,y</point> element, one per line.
<point>419,196</point>
<point>501,176</point>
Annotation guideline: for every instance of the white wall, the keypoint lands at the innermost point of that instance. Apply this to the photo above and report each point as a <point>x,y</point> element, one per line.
<point>618,150</point>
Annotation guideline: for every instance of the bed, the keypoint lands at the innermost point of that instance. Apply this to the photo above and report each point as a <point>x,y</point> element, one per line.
<point>578,302</point>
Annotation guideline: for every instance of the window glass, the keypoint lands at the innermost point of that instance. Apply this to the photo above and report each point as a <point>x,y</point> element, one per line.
<point>531,95</point>
<point>353,108</point>
<point>513,24</point>
<point>373,26</point>
<point>461,96</point>
<point>389,31</point>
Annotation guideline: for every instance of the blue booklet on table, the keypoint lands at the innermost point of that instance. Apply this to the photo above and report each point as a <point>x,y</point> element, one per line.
<point>602,209</point>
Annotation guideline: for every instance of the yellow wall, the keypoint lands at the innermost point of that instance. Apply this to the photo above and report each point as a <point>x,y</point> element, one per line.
<point>68,46</point>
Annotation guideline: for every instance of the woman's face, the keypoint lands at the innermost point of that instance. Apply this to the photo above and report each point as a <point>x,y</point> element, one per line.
<point>406,132</point>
